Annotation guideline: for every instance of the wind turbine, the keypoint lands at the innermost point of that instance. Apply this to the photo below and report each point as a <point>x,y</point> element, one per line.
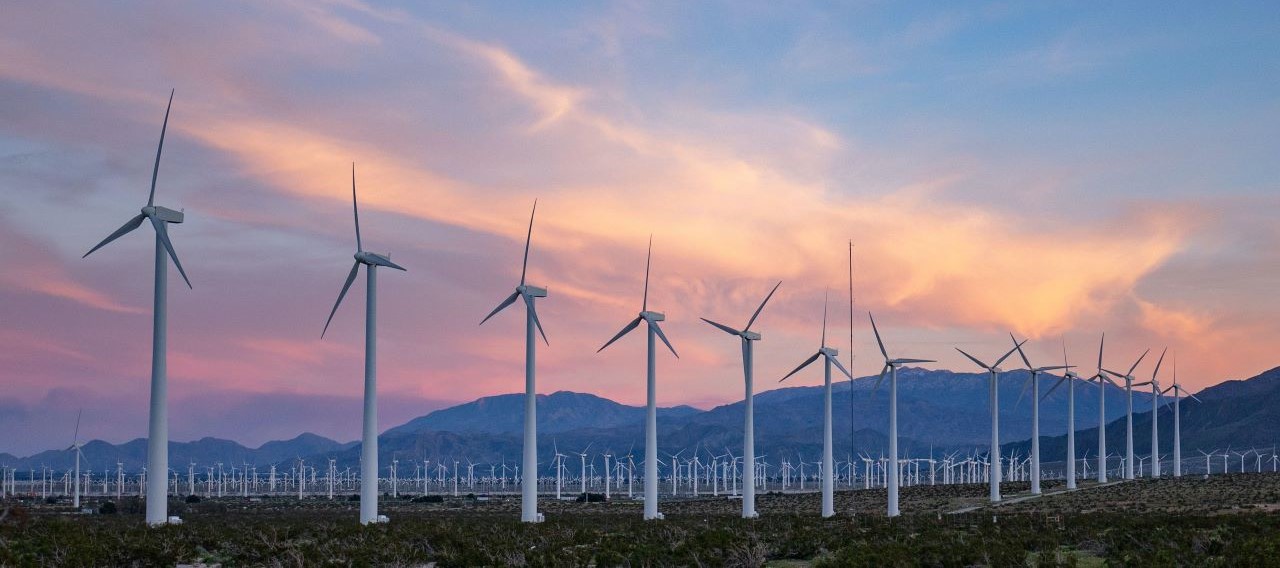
<point>1034,381</point>
<point>829,358</point>
<point>528,484</point>
<point>748,430</point>
<point>891,365</point>
<point>1178,392</point>
<point>651,320</point>
<point>369,441</point>
<point>75,445</point>
<point>1070,377</point>
<point>158,423</point>
<point>1128,431</point>
<point>993,397</point>
<point>1155,407</point>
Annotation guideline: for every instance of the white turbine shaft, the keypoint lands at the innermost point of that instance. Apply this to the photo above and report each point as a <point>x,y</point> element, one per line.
<point>828,480</point>
<point>1155,430</point>
<point>994,397</point>
<point>892,472</point>
<point>748,437</point>
<point>529,483</point>
<point>369,440</point>
<point>1071,430</point>
<point>1102,429</point>
<point>1128,430</point>
<point>1035,432</point>
<point>1177,432</point>
<point>158,423</point>
<point>651,432</point>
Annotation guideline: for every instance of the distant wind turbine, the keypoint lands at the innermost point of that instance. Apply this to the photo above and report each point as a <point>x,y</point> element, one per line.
<point>75,445</point>
<point>1128,431</point>
<point>993,397</point>
<point>748,430</point>
<point>1155,408</point>
<point>529,483</point>
<point>891,366</point>
<point>1178,393</point>
<point>829,358</point>
<point>158,424</point>
<point>369,440</point>
<point>651,320</point>
<point>1070,377</point>
<point>1034,381</point>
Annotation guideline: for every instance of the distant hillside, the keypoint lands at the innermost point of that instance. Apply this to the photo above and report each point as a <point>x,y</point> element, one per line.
<point>1240,414</point>
<point>560,411</point>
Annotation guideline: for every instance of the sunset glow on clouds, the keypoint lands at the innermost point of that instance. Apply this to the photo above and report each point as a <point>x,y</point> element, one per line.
<point>1035,170</point>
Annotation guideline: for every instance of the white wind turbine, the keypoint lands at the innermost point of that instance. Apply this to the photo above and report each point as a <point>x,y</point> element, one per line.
<point>829,358</point>
<point>1178,393</point>
<point>891,365</point>
<point>75,445</point>
<point>1155,408</point>
<point>651,320</point>
<point>369,440</point>
<point>748,431</point>
<point>1128,430</point>
<point>1070,377</point>
<point>158,424</point>
<point>528,484</point>
<point>1101,378</point>
<point>993,400</point>
<point>1034,382</point>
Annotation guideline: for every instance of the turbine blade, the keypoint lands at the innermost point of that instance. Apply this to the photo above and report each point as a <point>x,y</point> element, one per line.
<point>155,170</point>
<point>658,330</point>
<point>527,239</point>
<point>1021,353</point>
<point>1055,368</point>
<point>124,229</point>
<point>507,302</point>
<point>724,328</point>
<point>1161,360</point>
<point>1197,399</point>
<point>384,261</point>
<point>351,277</point>
<point>836,361</point>
<point>162,229</point>
<point>876,387</point>
<point>1025,386</point>
<point>1136,363</point>
<point>533,313</point>
<point>903,361</point>
<point>355,209</point>
<point>974,359</point>
<point>1101,343</point>
<point>625,330</point>
<point>876,330</point>
<point>644,306</point>
<point>806,363</point>
<point>1011,352</point>
<point>825,298</point>
<point>759,309</point>
<point>1051,389</point>
<point>76,438</point>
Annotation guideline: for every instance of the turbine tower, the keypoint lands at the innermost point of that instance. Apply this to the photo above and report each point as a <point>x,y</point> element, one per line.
<point>1034,381</point>
<point>1128,429</point>
<point>1155,408</point>
<point>75,445</point>
<point>1178,392</point>
<point>891,365</point>
<point>529,483</point>
<point>651,320</point>
<point>829,358</point>
<point>993,398</point>
<point>369,440</point>
<point>1070,377</point>
<point>158,423</point>
<point>748,429</point>
<point>1102,379</point>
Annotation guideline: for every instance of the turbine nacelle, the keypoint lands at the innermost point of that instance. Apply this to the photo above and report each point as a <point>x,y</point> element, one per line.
<point>749,335</point>
<point>531,291</point>
<point>653,316</point>
<point>829,351</point>
<point>163,213</point>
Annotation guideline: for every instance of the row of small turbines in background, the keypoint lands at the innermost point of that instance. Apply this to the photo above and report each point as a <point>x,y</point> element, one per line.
<point>689,478</point>
<point>527,294</point>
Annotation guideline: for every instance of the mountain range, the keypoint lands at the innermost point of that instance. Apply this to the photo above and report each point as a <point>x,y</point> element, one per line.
<point>938,411</point>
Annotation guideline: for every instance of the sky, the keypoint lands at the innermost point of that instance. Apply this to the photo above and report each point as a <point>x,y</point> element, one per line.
<point>1052,169</point>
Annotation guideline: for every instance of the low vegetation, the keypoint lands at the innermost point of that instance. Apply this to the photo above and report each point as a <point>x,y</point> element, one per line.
<point>1222,521</point>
